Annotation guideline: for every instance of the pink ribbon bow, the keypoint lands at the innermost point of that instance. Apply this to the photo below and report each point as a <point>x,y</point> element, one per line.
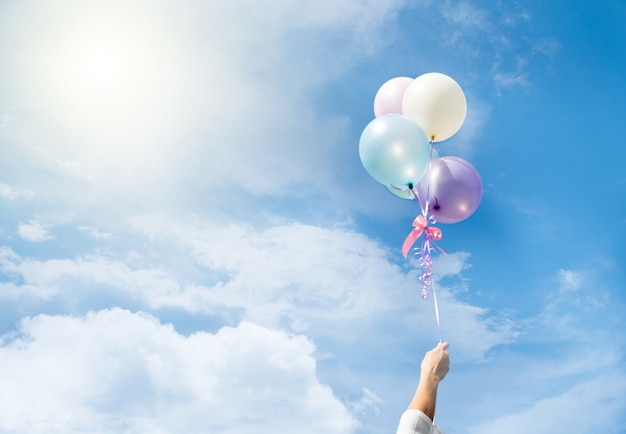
<point>420,224</point>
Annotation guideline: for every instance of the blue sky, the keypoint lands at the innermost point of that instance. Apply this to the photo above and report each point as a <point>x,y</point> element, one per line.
<point>189,242</point>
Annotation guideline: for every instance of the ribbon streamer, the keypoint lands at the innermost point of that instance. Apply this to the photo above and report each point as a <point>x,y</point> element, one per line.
<point>431,234</point>
<point>420,223</point>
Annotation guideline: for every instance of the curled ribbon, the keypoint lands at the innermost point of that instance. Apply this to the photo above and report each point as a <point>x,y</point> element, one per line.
<point>432,234</point>
<point>420,225</point>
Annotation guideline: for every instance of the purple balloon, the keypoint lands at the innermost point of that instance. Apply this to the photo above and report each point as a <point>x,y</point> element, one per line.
<point>453,189</point>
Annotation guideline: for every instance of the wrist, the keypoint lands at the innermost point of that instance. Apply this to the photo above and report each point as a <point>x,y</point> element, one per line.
<point>430,378</point>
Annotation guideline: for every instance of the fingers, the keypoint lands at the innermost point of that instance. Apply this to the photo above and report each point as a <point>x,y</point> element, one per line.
<point>442,346</point>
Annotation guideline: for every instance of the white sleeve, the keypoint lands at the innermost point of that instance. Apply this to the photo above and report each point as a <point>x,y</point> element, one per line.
<point>415,422</point>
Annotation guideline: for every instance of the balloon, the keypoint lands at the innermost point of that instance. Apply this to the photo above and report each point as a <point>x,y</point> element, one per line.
<point>437,103</point>
<point>394,150</point>
<point>453,189</point>
<point>405,193</point>
<point>388,99</point>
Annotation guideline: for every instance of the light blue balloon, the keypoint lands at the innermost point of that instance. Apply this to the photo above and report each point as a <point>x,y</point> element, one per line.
<point>394,150</point>
<point>405,193</point>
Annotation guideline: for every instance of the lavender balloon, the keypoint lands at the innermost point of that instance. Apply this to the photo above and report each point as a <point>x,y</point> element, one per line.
<point>389,97</point>
<point>453,189</point>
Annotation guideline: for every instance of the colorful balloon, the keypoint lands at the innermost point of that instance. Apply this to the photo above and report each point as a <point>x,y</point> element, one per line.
<point>405,193</point>
<point>437,103</point>
<point>453,189</point>
<point>394,150</point>
<point>389,97</point>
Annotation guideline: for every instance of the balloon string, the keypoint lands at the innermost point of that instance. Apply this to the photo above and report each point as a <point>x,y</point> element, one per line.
<point>423,205</point>
<point>413,190</point>
<point>421,201</point>
<point>436,310</point>
<point>424,252</point>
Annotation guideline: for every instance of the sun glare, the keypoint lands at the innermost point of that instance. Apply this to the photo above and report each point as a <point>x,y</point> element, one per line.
<point>102,65</point>
<point>111,85</point>
<point>100,68</point>
<point>106,77</point>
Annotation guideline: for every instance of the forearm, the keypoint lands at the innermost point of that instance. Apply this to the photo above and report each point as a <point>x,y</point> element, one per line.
<point>434,368</point>
<point>425,398</point>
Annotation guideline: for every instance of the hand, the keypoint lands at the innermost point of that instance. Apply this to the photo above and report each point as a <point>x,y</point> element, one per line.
<point>436,363</point>
<point>435,366</point>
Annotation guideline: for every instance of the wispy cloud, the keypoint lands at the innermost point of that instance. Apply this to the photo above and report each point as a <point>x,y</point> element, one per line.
<point>11,193</point>
<point>565,361</point>
<point>570,280</point>
<point>34,231</point>
<point>369,401</point>
<point>568,411</point>
<point>4,119</point>
<point>501,37</point>
<point>96,233</point>
<point>466,16</point>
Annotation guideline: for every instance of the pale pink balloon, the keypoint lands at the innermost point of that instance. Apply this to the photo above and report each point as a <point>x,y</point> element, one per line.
<point>389,97</point>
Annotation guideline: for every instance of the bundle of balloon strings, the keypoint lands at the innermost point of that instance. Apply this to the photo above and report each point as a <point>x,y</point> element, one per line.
<point>423,253</point>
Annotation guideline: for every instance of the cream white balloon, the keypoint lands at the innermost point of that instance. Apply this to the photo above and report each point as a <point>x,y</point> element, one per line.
<point>436,103</point>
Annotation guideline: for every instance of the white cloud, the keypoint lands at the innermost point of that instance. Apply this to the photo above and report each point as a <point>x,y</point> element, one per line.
<point>4,120</point>
<point>564,374</point>
<point>590,406</point>
<point>368,402</point>
<point>293,276</point>
<point>34,231</point>
<point>67,167</point>
<point>509,78</point>
<point>547,46</point>
<point>339,287</point>
<point>323,271</point>
<point>570,280</point>
<point>465,15</point>
<point>82,278</point>
<point>116,371</point>
<point>566,363</point>
<point>95,233</point>
<point>11,193</point>
<point>312,277</point>
<point>451,264</point>
<point>573,301</point>
<point>472,330</point>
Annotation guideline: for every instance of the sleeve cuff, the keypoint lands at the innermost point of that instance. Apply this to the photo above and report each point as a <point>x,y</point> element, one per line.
<point>414,421</point>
